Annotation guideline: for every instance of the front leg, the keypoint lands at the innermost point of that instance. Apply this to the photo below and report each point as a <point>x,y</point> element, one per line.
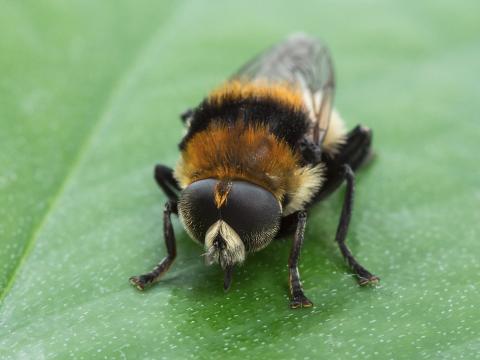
<point>298,298</point>
<point>141,281</point>
<point>167,182</point>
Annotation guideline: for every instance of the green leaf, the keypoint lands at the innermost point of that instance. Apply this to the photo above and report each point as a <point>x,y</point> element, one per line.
<point>90,94</point>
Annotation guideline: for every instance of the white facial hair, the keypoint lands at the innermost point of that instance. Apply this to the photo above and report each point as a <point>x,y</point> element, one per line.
<point>234,251</point>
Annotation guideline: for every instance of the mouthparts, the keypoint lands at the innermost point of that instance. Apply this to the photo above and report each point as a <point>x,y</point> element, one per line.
<point>224,246</point>
<point>227,279</point>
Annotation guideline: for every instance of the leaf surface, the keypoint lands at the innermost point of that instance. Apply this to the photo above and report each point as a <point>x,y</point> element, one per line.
<point>89,100</point>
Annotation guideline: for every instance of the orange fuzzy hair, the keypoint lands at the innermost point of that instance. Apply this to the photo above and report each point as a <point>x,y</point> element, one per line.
<point>237,89</point>
<point>249,153</point>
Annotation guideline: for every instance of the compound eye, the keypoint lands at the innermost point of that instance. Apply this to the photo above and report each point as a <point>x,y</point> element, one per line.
<point>250,210</point>
<point>197,208</point>
<point>253,212</point>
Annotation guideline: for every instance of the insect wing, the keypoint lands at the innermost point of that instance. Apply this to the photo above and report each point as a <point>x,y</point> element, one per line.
<point>304,63</point>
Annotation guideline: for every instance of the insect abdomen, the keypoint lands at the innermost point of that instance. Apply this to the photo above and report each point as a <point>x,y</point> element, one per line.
<point>277,107</point>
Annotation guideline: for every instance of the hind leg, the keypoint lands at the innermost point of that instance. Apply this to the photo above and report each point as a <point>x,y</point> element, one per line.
<point>364,276</point>
<point>357,149</point>
<point>355,152</point>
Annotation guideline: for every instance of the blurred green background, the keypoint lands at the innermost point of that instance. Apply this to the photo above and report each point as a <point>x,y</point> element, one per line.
<point>90,94</point>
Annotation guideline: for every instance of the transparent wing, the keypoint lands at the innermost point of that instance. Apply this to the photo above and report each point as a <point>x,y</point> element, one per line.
<point>302,62</point>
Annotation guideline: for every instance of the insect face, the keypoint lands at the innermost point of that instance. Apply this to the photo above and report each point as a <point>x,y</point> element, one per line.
<point>230,218</point>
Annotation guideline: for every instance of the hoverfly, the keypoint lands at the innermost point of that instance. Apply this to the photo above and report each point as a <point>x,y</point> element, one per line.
<point>259,151</point>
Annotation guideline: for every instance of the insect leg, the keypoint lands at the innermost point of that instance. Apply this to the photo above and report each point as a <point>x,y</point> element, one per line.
<point>357,149</point>
<point>166,181</point>
<point>354,152</point>
<point>288,226</point>
<point>311,153</point>
<point>364,276</point>
<point>186,115</point>
<point>298,298</point>
<point>141,281</point>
